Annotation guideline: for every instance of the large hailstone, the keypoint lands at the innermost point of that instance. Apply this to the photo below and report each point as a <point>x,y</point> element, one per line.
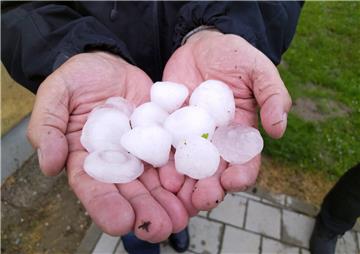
<point>112,166</point>
<point>148,114</point>
<point>148,143</point>
<point>103,129</point>
<point>216,98</point>
<point>238,144</point>
<point>196,157</point>
<point>189,121</point>
<point>118,103</point>
<point>169,95</point>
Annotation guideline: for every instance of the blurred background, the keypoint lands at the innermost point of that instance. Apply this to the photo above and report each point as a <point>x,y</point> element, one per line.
<point>321,70</point>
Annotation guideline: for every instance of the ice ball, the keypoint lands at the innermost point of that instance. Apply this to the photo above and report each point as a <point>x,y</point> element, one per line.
<point>148,143</point>
<point>103,130</point>
<point>118,103</point>
<point>238,144</point>
<point>196,157</point>
<point>216,98</point>
<point>169,95</point>
<point>189,121</point>
<point>148,114</point>
<point>112,166</point>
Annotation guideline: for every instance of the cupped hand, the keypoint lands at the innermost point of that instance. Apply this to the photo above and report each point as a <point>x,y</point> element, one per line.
<point>62,105</point>
<point>255,83</point>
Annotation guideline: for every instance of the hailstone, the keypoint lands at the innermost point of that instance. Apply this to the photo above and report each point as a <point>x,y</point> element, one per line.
<point>169,95</point>
<point>148,143</point>
<point>238,144</point>
<point>103,130</point>
<point>112,166</point>
<point>148,114</point>
<point>217,98</point>
<point>118,103</point>
<point>189,121</point>
<point>196,157</point>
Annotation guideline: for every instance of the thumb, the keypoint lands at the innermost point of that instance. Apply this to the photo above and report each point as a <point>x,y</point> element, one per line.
<point>272,97</point>
<point>48,124</point>
<point>181,68</point>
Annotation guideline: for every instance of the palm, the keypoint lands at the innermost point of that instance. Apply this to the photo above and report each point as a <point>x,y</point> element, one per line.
<point>254,81</point>
<point>80,84</point>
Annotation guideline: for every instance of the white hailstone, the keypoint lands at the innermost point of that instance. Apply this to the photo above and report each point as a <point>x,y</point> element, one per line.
<point>148,143</point>
<point>217,98</point>
<point>121,104</point>
<point>189,121</point>
<point>238,144</point>
<point>196,157</point>
<point>169,95</point>
<point>148,114</point>
<point>112,166</point>
<point>103,130</point>
<point>118,103</point>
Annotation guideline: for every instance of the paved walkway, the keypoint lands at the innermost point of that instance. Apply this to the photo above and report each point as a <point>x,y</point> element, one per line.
<point>252,222</point>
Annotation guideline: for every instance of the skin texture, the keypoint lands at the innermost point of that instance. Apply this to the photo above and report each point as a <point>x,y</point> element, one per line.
<point>62,105</point>
<point>256,84</point>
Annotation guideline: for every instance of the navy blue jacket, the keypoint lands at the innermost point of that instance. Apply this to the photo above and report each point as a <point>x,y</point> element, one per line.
<point>37,37</point>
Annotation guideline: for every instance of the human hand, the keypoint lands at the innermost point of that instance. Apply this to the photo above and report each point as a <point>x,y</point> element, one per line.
<point>62,105</point>
<point>255,83</point>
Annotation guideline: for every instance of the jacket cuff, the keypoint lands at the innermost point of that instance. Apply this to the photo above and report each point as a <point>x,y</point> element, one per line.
<point>213,14</point>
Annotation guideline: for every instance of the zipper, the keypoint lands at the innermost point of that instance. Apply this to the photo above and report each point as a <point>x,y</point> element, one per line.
<point>157,39</point>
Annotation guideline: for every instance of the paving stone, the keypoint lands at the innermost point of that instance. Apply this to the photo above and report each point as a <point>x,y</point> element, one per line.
<point>247,195</point>
<point>304,251</point>
<point>239,241</point>
<point>357,226</point>
<point>346,244</point>
<point>300,206</point>
<point>263,219</point>
<point>106,244</point>
<point>270,246</point>
<point>274,199</point>
<point>203,213</point>
<point>120,249</point>
<point>297,228</point>
<point>205,235</point>
<point>231,210</point>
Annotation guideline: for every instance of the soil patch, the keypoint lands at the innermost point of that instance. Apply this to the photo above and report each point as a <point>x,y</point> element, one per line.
<point>319,110</point>
<point>310,187</point>
<point>40,214</point>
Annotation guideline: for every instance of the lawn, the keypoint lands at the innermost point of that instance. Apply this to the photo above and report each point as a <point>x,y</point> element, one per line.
<point>321,70</point>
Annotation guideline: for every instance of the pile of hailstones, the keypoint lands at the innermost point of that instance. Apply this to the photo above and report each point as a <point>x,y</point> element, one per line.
<point>119,137</point>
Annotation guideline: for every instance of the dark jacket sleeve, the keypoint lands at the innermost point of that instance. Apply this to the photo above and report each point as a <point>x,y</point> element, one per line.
<point>38,37</point>
<point>269,26</point>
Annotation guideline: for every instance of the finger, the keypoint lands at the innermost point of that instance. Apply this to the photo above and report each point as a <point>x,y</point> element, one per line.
<point>167,200</point>
<point>208,192</point>
<point>185,194</point>
<point>139,93</point>
<point>170,179</point>
<point>48,124</point>
<point>272,97</point>
<point>108,209</point>
<point>240,177</point>
<point>181,69</point>
<point>152,223</point>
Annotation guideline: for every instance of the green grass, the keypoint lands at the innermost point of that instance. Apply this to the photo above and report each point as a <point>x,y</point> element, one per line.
<point>323,64</point>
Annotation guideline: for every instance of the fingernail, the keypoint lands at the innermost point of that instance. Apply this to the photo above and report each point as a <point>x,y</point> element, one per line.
<point>39,155</point>
<point>284,120</point>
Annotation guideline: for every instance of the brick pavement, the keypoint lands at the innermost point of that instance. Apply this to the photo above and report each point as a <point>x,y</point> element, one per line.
<point>252,222</point>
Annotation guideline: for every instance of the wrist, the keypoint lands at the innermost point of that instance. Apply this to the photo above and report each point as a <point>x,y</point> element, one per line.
<point>203,33</point>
